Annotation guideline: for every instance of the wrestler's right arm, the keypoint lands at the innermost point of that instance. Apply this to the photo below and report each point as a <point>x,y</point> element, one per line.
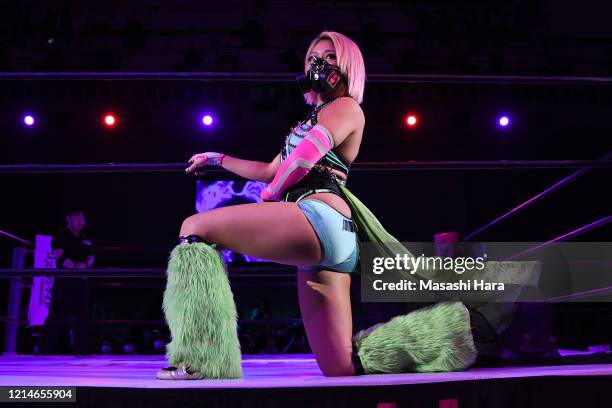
<point>252,170</point>
<point>249,169</point>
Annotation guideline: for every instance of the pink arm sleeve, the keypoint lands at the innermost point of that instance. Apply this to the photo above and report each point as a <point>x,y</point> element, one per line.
<point>315,145</point>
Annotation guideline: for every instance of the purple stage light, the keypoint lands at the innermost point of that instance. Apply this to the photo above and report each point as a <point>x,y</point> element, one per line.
<point>504,121</point>
<point>207,120</point>
<point>28,120</point>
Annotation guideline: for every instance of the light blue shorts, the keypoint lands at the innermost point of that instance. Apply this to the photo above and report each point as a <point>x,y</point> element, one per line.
<point>336,234</point>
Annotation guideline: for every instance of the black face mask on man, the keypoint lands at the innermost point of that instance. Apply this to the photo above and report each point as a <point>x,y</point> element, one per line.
<point>321,77</point>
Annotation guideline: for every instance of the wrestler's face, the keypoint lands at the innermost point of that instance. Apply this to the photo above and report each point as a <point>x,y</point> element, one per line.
<point>75,221</point>
<point>325,50</point>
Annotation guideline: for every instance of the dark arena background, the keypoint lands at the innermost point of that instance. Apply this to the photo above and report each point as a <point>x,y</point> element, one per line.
<point>487,121</point>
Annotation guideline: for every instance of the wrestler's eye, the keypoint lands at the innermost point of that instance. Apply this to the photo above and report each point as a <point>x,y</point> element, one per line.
<point>311,58</point>
<point>330,57</point>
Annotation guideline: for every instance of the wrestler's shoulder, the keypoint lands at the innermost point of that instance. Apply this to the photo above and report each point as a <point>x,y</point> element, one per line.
<point>345,105</point>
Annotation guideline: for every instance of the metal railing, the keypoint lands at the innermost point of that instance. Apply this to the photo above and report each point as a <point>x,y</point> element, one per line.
<point>290,77</point>
<point>355,167</point>
<point>538,196</point>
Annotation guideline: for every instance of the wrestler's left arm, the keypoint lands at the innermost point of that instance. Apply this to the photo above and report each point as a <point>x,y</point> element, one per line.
<point>335,124</point>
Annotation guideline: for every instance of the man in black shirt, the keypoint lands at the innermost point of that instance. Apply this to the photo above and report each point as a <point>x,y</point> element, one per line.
<point>71,247</point>
<point>65,329</point>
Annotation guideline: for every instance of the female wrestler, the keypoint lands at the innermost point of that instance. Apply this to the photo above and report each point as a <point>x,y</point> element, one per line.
<point>304,221</point>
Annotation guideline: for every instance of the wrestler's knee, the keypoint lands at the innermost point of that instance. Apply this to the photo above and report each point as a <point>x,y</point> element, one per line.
<point>336,369</point>
<point>194,225</point>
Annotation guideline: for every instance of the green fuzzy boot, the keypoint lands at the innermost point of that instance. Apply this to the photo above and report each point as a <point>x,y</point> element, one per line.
<point>200,311</point>
<point>435,338</point>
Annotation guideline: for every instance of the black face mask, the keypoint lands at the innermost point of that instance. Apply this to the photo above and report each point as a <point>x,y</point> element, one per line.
<point>321,77</point>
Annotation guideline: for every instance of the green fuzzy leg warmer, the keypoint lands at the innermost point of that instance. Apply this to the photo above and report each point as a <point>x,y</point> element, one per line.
<point>435,338</point>
<point>200,311</point>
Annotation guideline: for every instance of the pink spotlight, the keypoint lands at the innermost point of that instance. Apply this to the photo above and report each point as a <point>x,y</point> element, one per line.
<point>411,120</point>
<point>110,120</point>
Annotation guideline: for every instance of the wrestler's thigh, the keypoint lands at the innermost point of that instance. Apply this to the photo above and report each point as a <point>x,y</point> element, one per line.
<point>276,231</point>
<point>328,319</point>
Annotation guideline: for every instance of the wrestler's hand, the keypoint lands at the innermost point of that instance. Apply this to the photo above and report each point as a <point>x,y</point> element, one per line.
<point>204,159</point>
<point>68,264</point>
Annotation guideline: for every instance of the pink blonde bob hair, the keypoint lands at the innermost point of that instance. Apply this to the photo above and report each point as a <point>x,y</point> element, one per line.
<point>349,60</point>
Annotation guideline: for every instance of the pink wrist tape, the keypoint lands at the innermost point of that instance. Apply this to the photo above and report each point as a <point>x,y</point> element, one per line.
<point>317,142</point>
